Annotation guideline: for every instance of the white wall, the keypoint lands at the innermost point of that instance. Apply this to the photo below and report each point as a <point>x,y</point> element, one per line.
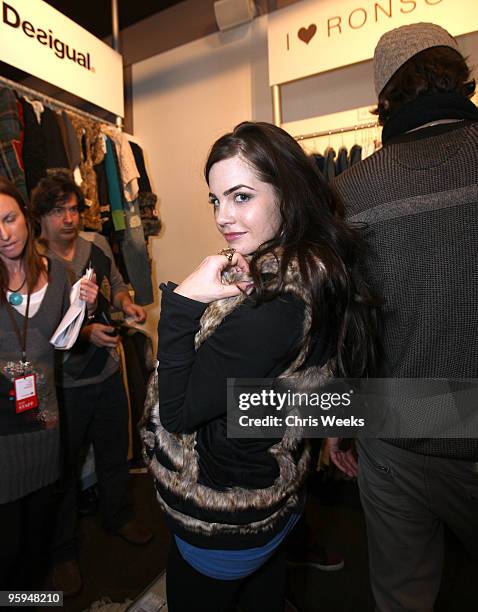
<point>182,101</point>
<point>187,97</point>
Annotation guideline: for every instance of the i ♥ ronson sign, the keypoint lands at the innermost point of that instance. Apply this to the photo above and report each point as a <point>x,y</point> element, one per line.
<point>39,40</point>
<point>313,36</point>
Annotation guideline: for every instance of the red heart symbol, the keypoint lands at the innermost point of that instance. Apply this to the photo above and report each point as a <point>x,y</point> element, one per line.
<point>307,34</point>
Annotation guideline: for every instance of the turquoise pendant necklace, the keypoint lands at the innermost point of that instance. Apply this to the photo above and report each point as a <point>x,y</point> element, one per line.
<point>16,298</point>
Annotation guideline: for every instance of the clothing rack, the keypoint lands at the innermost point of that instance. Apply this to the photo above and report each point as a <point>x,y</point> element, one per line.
<point>353,128</point>
<point>51,101</point>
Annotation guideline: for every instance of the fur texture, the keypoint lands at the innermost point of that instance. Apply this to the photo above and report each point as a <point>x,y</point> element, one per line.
<point>182,481</point>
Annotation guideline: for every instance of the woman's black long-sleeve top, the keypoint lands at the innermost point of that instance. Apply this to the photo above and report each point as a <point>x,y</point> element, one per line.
<point>251,342</point>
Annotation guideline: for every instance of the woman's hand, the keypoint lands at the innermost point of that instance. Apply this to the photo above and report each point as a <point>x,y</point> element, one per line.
<point>205,284</point>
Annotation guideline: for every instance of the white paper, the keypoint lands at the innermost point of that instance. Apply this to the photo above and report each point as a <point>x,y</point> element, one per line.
<point>67,332</point>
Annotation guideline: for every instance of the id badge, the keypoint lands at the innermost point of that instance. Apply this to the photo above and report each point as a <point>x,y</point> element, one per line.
<point>26,397</point>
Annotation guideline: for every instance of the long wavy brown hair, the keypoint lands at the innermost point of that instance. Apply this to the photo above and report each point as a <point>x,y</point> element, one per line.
<point>33,263</point>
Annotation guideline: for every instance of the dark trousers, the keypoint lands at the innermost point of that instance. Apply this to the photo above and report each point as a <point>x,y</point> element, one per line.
<point>97,414</point>
<point>188,589</point>
<point>407,499</point>
<point>26,529</point>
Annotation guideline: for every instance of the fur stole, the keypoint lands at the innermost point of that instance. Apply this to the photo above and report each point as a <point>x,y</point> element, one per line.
<point>179,449</point>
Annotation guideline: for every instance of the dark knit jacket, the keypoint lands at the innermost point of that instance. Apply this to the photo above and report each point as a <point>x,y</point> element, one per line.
<point>418,196</point>
<point>219,492</point>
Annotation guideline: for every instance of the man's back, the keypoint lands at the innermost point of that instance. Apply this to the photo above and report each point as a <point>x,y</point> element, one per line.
<point>419,198</point>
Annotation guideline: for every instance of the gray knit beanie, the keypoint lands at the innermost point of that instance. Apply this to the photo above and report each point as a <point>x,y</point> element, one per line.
<point>397,46</point>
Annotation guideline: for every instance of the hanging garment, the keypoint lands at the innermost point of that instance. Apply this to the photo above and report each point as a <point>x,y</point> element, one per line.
<point>329,164</point>
<point>116,239</point>
<point>114,188</point>
<point>355,154</point>
<point>34,147</point>
<point>91,153</point>
<point>138,352</point>
<point>22,129</point>
<point>149,214</point>
<point>143,181</point>
<point>64,136</point>
<point>342,161</point>
<point>146,199</point>
<point>11,162</point>
<point>70,141</point>
<point>133,247</point>
<point>104,199</point>
<point>37,106</point>
<point>127,166</point>
<point>124,378</point>
<point>55,149</point>
<point>135,256</point>
<point>319,161</point>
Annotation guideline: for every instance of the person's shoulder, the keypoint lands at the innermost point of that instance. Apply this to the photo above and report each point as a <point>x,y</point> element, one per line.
<point>59,271</point>
<point>285,309</point>
<point>360,185</point>
<point>96,239</point>
<point>54,263</point>
<point>363,168</point>
<point>46,253</point>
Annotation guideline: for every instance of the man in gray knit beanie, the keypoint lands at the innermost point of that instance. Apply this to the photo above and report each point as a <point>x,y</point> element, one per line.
<point>418,196</point>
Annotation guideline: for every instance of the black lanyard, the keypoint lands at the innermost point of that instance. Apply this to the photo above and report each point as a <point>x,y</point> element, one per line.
<point>22,338</point>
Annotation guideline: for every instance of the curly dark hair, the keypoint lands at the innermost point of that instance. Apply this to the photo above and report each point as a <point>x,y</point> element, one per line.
<point>54,190</point>
<point>434,70</point>
<point>313,231</point>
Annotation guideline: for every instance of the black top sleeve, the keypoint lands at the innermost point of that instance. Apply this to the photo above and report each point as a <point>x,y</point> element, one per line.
<point>251,342</point>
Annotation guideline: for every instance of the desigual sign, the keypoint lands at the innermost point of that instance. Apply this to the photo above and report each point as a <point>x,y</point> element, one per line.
<point>39,40</point>
<point>314,36</point>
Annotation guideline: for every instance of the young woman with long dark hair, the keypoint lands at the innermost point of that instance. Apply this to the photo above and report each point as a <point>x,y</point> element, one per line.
<point>298,306</point>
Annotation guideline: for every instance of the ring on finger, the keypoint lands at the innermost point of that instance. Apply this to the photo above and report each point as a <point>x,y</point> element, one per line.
<point>228,253</point>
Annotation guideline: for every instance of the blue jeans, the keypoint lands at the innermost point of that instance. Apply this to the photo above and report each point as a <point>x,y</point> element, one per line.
<point>135,255</point>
